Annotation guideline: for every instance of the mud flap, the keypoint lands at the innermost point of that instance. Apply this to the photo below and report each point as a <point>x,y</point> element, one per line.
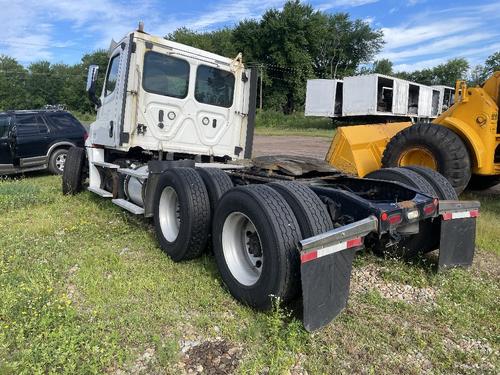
<point>326,265</point>
<point>325,288</point>
<point>458,233</point>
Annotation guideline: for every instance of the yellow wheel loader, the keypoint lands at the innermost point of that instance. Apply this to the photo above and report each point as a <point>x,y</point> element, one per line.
<point>463,143</point>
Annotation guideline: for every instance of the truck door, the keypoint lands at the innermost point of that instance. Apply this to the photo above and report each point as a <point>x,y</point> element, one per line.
<point>31,139</point>
<point>106,129</point>
<point>5,143</point>
<point>219,111</point>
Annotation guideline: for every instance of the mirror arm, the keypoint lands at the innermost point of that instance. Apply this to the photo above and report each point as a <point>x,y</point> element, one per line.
<point>93,98</point>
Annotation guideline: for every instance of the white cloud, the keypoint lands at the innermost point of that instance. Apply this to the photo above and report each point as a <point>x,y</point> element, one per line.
<point>437,47</point>
<point>343,4</point>
<point>429,37</point>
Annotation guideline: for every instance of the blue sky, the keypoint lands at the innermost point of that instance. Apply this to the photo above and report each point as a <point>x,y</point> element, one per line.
<point>418,33</point>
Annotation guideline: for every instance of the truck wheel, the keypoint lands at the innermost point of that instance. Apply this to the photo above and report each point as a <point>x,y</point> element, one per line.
<point>440,184</point>
<point>181,213</point>
<point>431,146</point>
<point>255,237</point>
<point>427,238</point>
<point>404,176</point>
<point>478,182</point>
<point>72,178</point>
<point>310,212</point>
<point>217,183</point>
<point>57,161</point>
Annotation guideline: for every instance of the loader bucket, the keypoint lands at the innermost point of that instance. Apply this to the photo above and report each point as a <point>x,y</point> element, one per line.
<point>358,149</point>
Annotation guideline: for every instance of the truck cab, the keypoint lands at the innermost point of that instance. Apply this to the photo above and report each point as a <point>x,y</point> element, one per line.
<point>164,97</point>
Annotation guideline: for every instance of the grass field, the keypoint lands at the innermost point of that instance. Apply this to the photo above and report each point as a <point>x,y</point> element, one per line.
<point>84,288</point>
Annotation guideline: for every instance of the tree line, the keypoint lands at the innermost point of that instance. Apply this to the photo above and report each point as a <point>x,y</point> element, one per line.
<point>287,46</point>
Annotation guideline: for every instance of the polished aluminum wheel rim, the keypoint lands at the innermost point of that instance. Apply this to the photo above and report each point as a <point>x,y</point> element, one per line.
<point>242,248</point>
<point>169,213</point>
<point>60,161</point>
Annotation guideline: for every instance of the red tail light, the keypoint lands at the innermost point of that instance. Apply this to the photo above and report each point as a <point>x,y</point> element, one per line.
<point>429,209</point>
<point>395,219</point>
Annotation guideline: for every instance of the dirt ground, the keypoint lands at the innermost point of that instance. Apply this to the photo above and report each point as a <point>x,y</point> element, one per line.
<point>315,147</point>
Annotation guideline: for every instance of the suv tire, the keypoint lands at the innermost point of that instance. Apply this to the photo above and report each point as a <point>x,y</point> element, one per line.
<point>57,161</point>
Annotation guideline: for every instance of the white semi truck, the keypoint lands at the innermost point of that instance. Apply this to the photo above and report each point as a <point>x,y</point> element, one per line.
<point>173,140</point>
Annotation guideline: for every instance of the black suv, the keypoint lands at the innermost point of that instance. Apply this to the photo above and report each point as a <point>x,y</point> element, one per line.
<point>34,140</point>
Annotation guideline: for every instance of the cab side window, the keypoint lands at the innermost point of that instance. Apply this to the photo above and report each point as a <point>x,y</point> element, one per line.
<point>214,86</point>
<point>165,75</point>
<point>112,75</point>
<point>4,126</point>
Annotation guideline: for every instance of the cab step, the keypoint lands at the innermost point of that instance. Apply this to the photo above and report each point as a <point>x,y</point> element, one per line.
<point>101,192</point>
<point>105,165</point>
<point>129,206</point>
<point>134,173</point>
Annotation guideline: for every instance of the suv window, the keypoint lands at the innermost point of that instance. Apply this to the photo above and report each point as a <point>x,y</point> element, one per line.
<point>30,124</point>
<point>112,75</point>
<point>4,126</point>
<point>62,121</point>
<point>165,75</point>
<point>214,86</point>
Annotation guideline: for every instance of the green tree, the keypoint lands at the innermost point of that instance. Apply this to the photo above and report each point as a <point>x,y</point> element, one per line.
<point>13,92</point>
<point>492,63</point>
<point>344,44</point>
<point>383,66</point>
<point>219,41</point>
<point>451,71</point>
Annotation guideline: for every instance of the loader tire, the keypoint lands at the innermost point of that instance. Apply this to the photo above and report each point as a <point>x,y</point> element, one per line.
<point>427,238</point>
<point>478,182</point>
<point>310,212</point>
<point>217,183</point>
<point>441,185</point>
<point>255,236</point>
<point>449,152</point>
<point>72,178</point>
<point>181,213</point>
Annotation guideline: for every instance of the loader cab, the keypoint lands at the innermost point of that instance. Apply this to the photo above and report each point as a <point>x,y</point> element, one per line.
<point>159,95</point>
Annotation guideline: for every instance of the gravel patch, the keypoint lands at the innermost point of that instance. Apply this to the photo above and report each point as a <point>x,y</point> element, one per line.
<point>210,357</point>
<point>369,278</point>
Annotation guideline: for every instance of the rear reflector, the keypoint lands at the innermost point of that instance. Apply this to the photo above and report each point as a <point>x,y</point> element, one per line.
<point>460,215</point>
<point>314,254</point>
<point>395,219</point>
<point>429,209</point>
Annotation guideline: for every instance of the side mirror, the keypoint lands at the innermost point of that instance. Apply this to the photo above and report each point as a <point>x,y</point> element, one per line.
<point>92,77</point>
<point>91,84</point>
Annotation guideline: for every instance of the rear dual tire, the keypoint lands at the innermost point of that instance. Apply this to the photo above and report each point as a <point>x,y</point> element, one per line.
<point>428,182</point>
<point>256,230</point>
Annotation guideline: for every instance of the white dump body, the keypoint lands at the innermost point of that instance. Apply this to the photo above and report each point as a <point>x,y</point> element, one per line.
<point>324,98</point>
<point>377,94</point>
<point>374,95</point>
<point>446,97</point>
